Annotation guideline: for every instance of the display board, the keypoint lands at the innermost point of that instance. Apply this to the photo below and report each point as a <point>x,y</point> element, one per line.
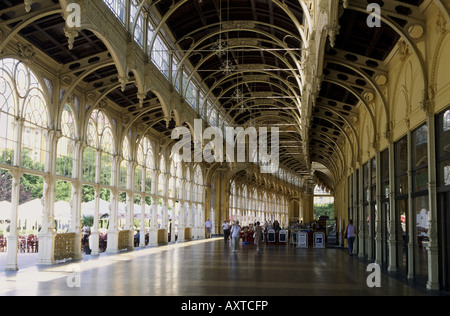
<point>282,237</point>
<point>319,240</point>
<point>302,238</point>
<point>271,235</point>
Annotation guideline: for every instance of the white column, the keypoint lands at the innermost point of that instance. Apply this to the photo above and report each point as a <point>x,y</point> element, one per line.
<point>143,207</point>
<point>130,203</point>
<point>181,212</point>
<point>75,202</point>
<point>113,230</point>
<point>171,223</point>
<point>95,251</point>
<point>47,233</point>
<point>194,219</point>
<point>11,257</point>
<point>142,224</point>
<point>129,219</point>
<point>153,232</point>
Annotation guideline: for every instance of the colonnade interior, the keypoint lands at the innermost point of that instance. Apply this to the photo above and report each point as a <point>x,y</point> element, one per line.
<point>95,95</point>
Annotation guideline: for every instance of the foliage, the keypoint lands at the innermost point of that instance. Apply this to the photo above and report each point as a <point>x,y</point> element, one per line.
<point>87,221</point>
<point>324,210</point>
<point>25,194</point>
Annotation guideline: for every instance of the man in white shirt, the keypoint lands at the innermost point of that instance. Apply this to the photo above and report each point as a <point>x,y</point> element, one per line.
<point>235,235</point>
<point>208,226</point>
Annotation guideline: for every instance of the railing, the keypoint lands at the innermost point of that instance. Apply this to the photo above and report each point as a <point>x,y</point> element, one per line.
<point>163,238</point>
<point>25,243</point>
<point>124,239</point>
<point>64,246</point>
<point>3,244</point>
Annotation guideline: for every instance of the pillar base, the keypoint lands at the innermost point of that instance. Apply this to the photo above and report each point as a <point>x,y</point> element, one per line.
<point>153,237</point>
<point>46,249</point>
<point>112,246</point>
<point>163,238</point>
<point>12,267</point>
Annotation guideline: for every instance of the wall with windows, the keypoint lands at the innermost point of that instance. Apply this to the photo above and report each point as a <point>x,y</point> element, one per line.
<point>395,189</point>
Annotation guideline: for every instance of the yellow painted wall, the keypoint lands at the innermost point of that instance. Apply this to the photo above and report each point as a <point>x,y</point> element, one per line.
<point>403,92</point>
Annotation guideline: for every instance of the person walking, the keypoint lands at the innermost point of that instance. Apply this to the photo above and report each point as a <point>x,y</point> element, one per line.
<point>235,235</point>
<point>226,230</point>
<point>208,226</point>
<point>258,235</point>
<point>350,234</point>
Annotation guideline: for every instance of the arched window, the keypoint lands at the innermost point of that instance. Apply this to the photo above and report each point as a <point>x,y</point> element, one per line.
<point>8,109</point>
<point>139,30</point>
<point>179,177</point>
<point>233,195</point>
<point>65,156</point>
<point>123,173</point>
<point>100,141</point>
<point>172,177</point>
<point>188,184</point>
<point>32,107</point>
<point>145,166</point>
<point>21,95</point>
<point>198,184</point>
<point>118,8</point>
<point>162,175</point>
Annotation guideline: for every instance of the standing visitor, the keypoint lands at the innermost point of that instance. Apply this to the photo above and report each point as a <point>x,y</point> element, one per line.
<point>235,235</point>
<point>226,230</point>
<point>208,226</point>
<point>350,234</point>
<point>258,235</point>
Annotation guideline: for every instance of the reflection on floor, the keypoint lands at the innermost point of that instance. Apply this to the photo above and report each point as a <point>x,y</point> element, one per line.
<point>205,268</point>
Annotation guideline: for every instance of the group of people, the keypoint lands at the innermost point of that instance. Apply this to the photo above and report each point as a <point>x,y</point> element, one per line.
<point>233,232</point>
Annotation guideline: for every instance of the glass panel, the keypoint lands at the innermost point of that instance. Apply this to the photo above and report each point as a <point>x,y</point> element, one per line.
<point>106,168</point>
<point>443,148</point>
<point>160,56</point>
<point>444,173</point>
<point>118,8</point>
<point>401,206</point>
<point>420,158</point>
<point>421,258</point>
<point>419,147</point>
<point>89,163</point>
<point>401,166</point>
<point>366,182</point>
<point>65,155</point>
<point>7,107</point>
<point>373,165</point>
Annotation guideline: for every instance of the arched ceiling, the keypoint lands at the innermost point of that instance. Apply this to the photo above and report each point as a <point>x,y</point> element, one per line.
<point>261,41</point>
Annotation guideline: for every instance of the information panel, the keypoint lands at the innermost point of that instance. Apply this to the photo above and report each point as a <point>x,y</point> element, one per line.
<point>302,238</point>
<point>319,240</point>
<point>271,235</point>
<point>282,236</point>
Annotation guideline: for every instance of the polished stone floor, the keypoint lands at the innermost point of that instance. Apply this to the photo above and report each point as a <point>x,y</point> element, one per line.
<point>205,268</point>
